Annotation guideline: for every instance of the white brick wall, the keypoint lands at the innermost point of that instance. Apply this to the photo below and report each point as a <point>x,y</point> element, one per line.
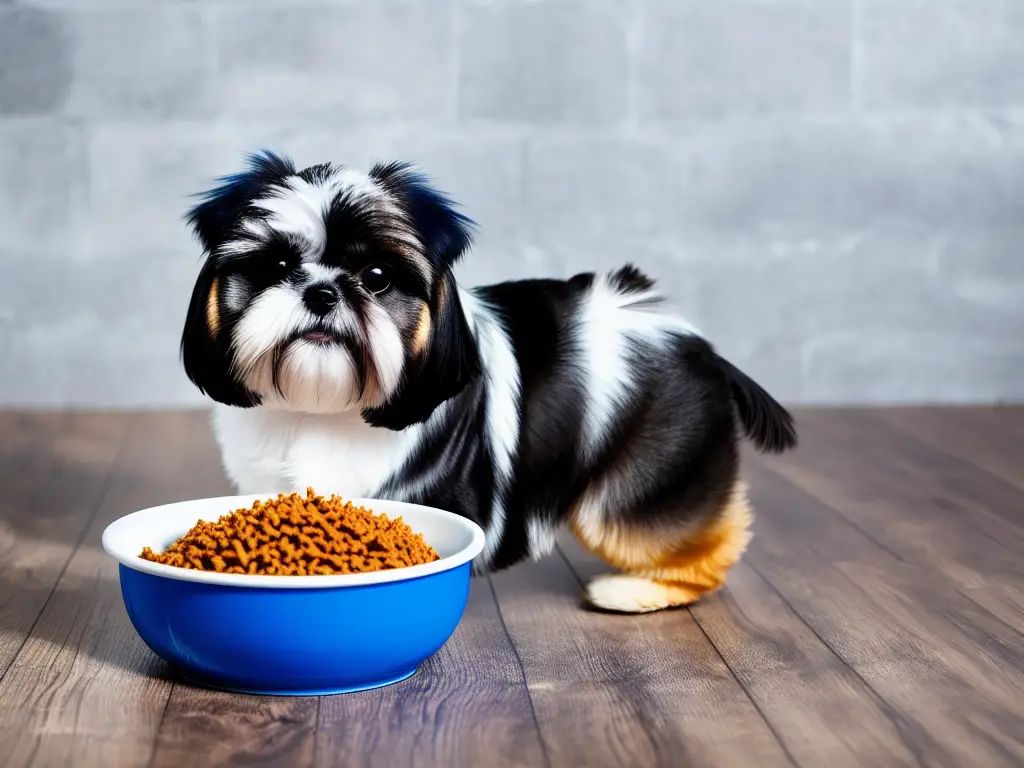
<point>832,189</point>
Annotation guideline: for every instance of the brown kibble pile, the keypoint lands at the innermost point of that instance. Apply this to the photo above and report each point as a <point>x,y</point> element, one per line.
<point>292,536</point>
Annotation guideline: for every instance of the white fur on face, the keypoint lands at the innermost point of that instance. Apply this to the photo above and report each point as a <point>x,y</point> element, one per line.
<point>318,378</point>
<point>311,377</point>
<point>320,273</point>
<point>270,320</point>
<point>299,212</point>
<point>386,348</point>
<point>298,208</point>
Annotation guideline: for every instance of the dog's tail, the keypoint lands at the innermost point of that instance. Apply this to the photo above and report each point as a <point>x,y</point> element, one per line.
<point>768,425</point>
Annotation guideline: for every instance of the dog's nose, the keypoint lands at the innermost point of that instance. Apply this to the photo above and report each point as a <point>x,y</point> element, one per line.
<point>321,298</point>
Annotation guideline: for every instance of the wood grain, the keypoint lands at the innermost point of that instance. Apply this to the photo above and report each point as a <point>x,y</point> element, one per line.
<point>211,728</point>
<point>960,433</point>
<point>466,706</point>
<point>84,683</point>
<point>613,690</point>
<point>878,619</point>
<point>1001,419</point>
<point>53,470</point>
<point>925,507</point>
<point>818,706</point>
<point>947,673</point>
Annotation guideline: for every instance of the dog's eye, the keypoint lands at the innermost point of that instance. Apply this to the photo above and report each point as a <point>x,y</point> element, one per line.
<point>269,267</point>
<point>282,265</point>
<point>377,278</point>
<point>275,260</point>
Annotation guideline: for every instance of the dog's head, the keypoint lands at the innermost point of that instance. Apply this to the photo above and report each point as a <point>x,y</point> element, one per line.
<point>329,289</point>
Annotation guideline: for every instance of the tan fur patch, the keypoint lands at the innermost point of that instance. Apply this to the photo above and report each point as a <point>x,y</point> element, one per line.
<point>213,309</point>
<point>419,341</point>
<point>665,570</point>
<point>439,294</point>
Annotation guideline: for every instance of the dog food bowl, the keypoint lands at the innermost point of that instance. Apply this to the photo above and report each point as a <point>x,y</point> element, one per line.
<point>293,635</point>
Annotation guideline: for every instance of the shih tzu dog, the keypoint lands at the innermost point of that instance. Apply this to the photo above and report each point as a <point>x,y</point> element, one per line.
<point>328,327</point>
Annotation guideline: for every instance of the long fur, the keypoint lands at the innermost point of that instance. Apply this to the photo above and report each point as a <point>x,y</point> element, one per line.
<point>524,405</point>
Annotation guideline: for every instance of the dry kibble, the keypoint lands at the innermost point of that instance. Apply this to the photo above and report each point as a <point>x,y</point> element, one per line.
<point>296,536</point>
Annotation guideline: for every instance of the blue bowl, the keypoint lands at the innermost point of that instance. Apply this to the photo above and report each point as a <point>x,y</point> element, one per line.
<point>293,635</point>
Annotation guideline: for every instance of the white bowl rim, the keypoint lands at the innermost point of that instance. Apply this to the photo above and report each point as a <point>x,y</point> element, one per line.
<point>133,561</point>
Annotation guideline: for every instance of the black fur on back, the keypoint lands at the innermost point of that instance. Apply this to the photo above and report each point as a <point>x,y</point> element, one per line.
<point>668,448</point>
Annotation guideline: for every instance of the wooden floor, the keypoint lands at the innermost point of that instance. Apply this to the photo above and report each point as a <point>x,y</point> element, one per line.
<point>878,620</point>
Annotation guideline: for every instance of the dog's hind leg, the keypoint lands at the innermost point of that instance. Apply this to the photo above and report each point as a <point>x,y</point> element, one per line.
<point>662,566</point>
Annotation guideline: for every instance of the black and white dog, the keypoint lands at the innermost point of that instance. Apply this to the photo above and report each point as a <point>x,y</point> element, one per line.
<point>327,325</point>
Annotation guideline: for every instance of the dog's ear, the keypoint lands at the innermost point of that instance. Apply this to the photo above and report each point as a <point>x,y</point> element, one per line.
<point>446,364</point>
<point>214,219</point>
<point>445,233</point>
<point>206,345</point>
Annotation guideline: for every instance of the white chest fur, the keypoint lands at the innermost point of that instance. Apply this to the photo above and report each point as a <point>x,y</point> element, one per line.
<point>274,451</point>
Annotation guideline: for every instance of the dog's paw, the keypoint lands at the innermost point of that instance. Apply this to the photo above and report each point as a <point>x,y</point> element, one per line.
<point>633,594</point>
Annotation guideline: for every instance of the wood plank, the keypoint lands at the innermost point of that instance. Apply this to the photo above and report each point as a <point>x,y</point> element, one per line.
<point>966,434</point>
<point>614,690</point>
<point>1008,419</point>
<point>876,621</point>
<point>467,705</point>
<point>911,499</point>
<point>212,728</point>
<point>819,707</point>
<point>946,673</point>
<point>949,475</point>
<point>54,470</point>
<point>84,686</point>
<point>875,464</point>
